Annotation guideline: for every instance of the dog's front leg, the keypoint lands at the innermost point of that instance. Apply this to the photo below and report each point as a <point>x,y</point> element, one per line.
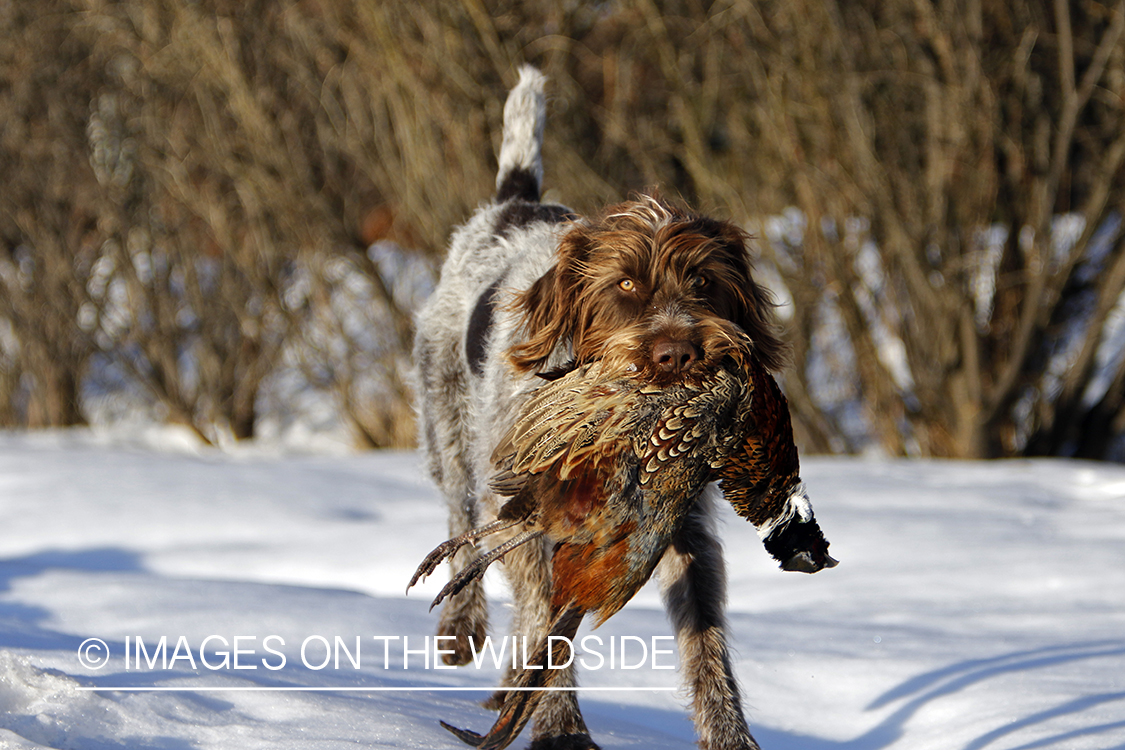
<point>464,616</point>
<point>693,585</point>
<point>558,723</point>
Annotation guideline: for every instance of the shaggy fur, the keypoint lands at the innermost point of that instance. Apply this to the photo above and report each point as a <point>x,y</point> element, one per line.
<point>531,289</point>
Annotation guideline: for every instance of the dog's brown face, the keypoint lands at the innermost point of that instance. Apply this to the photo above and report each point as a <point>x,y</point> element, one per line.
<point>654,288</point>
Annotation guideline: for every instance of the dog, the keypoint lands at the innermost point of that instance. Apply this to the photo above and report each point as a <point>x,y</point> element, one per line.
<point>531,290</point>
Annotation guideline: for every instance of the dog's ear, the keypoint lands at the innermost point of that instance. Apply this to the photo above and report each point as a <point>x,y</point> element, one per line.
<point>549,307</point>
<point>754,305</point>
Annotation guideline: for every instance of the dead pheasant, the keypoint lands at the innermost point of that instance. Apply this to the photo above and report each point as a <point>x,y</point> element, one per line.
<point>607,465</point>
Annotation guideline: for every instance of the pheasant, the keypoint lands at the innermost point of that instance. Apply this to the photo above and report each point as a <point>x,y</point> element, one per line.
<point>606,465</point>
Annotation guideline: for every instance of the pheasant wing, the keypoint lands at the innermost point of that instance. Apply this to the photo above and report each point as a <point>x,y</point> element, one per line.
<point>581,417</point>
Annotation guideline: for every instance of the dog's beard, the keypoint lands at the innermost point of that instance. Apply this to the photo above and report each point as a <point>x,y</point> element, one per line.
<point>630,349</point>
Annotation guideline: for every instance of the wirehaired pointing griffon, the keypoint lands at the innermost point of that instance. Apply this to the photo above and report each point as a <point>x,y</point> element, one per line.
<point>581,382</point>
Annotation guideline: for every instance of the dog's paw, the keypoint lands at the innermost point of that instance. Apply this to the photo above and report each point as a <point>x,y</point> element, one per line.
<point>741,743</point>
<point>494,701</point>
<point>564,742</point>
<point>460,650</point>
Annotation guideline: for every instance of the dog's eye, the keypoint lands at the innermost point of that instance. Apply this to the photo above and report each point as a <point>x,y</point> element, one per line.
<point>626,285</point>
<point>698,281</point>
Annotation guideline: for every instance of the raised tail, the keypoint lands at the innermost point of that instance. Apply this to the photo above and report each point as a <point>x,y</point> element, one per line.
<point>521,163</point>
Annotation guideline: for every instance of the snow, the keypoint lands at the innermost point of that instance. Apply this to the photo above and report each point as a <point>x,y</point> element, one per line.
<point>976,605</point>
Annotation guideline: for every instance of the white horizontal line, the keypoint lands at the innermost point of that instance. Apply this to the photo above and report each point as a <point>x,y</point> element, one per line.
<point>299,689</point>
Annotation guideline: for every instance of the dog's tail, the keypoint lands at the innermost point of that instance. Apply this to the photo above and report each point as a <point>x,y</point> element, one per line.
<point>521,162</point>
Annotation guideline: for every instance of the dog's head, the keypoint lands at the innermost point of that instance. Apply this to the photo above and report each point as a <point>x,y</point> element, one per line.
<point>652,287</point>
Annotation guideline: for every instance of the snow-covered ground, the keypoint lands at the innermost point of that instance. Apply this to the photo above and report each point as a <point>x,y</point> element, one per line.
<point>977,605</point>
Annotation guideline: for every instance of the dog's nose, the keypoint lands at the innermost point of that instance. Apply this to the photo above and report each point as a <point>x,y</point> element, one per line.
<point>674,356</point>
